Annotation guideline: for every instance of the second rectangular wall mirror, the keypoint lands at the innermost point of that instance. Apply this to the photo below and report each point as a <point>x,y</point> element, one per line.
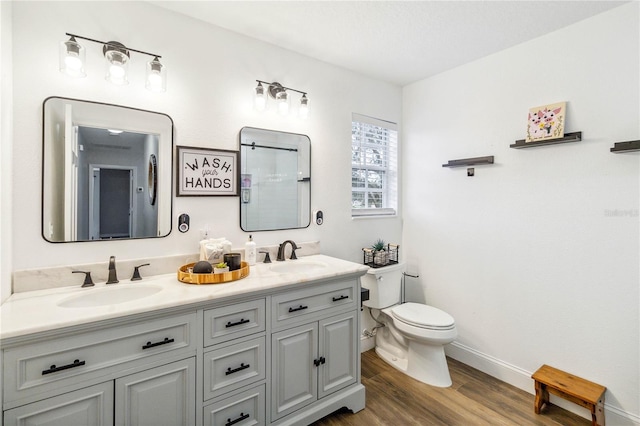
<point>275,181</point>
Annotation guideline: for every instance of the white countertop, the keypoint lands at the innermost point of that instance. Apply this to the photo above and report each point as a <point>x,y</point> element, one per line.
<point>38,311</point>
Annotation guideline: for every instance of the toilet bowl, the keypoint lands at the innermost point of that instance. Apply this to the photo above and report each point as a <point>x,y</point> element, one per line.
<point>414,335</point>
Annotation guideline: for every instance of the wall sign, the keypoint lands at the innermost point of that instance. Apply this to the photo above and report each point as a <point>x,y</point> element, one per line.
<point>206,172</point>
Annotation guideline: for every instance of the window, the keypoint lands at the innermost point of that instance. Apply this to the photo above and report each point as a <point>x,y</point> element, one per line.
<point>374,166</point>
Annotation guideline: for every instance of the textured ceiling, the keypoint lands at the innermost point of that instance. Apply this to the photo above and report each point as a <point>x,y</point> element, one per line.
<point>396,41</point>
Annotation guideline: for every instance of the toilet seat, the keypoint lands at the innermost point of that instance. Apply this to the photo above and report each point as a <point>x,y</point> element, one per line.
<point>423,316</point>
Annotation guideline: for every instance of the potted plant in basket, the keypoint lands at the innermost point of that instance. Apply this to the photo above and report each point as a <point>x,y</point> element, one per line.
<point>380,254</point>
<point>220,268</point>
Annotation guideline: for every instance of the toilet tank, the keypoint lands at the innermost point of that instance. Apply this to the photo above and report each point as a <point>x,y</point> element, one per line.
<point>384,285</point>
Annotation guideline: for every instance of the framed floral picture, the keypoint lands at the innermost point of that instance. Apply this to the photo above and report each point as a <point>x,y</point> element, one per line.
<point>546,122</point>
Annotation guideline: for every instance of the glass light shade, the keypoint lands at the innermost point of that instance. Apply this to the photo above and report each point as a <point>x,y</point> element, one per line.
<point>72,58</point>
<point>303,112</point>
<point>117,66</point>
<point>156,76</point>
<point>283,102</point>
<point>260,98</point>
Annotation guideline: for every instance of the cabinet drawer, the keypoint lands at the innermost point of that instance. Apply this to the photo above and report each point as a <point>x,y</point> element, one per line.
<point>49,365</point>
<point>234,366</point>
<point>233,321</point>
<point>323,299</point>
<point>245,408</point>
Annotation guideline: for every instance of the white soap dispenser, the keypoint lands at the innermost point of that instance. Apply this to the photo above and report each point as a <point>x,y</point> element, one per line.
<point>250,251</point>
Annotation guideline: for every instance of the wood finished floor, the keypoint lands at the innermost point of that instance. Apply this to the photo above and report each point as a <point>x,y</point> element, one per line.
<point>475,398</point>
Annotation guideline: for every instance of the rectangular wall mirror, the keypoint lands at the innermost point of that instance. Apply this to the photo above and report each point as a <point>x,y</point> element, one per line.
<point>275,181</point>
<point>106,172</point>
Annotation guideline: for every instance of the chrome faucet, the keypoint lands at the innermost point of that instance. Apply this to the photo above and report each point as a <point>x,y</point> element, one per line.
<point>113,277</point>
<point>294,247</point>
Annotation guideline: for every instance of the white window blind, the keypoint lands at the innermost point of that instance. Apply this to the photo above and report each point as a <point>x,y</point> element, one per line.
<point>374,166</point>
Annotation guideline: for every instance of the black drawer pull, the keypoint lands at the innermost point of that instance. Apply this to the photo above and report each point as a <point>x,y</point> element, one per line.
<point>239,419</point>
<point>53,368</point>
<point>299,308</point>
<point>235,370</point>
<point>162,342</point>
<point>335,299</point>
<point>233,324</point>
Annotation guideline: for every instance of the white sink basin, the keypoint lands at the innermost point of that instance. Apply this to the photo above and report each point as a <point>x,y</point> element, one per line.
<point>109,296</point>
<point>298,267</point>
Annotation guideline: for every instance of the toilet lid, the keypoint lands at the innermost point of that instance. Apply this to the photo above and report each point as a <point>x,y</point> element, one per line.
<point>423,316</point>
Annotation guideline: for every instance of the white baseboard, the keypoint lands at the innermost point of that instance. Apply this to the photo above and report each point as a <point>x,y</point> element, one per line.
<point>521,379</point>
<point>367,343</point>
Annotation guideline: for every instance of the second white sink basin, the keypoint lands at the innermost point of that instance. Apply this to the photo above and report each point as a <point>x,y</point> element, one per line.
<point>109,296</point>
<point>298,266</point>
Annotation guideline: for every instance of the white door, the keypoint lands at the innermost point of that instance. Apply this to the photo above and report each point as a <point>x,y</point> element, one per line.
<point>111,202</point>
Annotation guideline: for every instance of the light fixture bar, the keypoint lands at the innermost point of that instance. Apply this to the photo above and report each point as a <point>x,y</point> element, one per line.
<point>283,88</point>
<point>109,43</point>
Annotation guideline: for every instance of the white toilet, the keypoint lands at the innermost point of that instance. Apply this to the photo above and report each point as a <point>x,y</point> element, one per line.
<point>414,335</point>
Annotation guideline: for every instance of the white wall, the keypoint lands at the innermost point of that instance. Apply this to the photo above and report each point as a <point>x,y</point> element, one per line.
<point>211,76</point>
<point>6,148</point>
<point>537,256</point>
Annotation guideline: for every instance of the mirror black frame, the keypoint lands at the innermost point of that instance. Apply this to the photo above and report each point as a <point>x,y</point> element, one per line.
<point>169,165</point>
<point>307,179</point>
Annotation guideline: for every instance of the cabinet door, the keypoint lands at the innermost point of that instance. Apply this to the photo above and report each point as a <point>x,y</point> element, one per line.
<point>89,406</point>
<point>339,347</point>
<point>163,395</point>
<point>294,376</point>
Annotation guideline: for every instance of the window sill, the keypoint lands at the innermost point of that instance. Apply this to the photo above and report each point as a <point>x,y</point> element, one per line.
<point>373,214</point>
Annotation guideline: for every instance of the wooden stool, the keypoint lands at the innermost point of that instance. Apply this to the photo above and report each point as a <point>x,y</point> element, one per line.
<point>579,391</point>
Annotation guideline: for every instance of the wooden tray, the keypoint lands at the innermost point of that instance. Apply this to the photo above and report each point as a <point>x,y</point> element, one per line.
<point>226,277</point>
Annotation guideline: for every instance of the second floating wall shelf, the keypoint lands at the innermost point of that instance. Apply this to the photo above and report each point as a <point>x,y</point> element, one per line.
<point>469,161</point>
<point>626,146</point>
<point>568,137</point>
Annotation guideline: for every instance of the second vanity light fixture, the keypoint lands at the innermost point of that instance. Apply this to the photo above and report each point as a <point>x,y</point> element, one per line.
<point>278,92</point>
<point>117,55</point>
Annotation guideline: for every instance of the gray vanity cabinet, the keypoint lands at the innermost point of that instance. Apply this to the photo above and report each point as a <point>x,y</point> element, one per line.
<point>142,372</point>
<point>317,358</point>
<point>282,356</point>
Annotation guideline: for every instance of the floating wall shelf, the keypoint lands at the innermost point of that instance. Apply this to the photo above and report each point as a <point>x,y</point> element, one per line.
<point>628,146</point>
<point>469,161</point>
<point>568,137</point>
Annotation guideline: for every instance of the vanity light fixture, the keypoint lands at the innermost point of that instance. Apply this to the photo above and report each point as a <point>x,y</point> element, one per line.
<point>278,92</point>
<point>117,55</point>
<point>303,112</point>
<point>283,102</point>
<point>72,58</point>
<point>156,76</point>
<point>260,99</point>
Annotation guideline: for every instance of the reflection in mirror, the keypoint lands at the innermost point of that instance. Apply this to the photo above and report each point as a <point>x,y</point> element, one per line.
<point>275,182</point>
<point>106,172</point>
